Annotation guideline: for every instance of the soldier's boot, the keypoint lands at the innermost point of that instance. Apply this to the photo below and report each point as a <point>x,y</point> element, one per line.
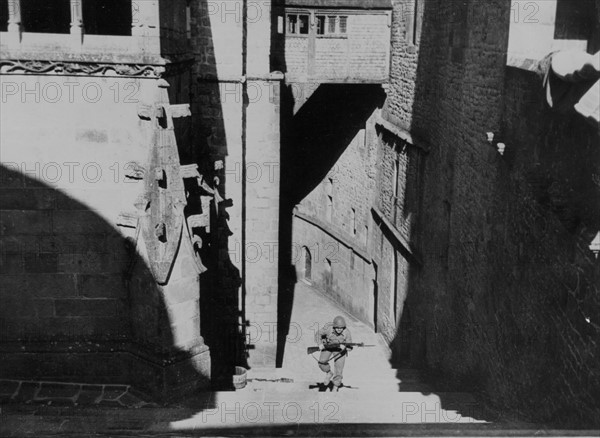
<point>328,377</point>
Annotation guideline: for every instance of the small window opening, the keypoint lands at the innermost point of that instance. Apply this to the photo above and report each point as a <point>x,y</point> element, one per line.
<point>343,24</point>
<point>307,264</point>
<point>303,24</point>
<point>331,24</point>
<point>43,16</point>
<point>107,17</point>
<point>3,16</point>
<point>292,24</point>
<point>328,274</point>
<point>320,25</point>
<point>188,21</point>
<point>297,24</point>
<point>329,206</point>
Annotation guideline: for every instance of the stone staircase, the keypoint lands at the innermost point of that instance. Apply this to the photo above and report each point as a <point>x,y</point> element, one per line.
<point>373,391</point>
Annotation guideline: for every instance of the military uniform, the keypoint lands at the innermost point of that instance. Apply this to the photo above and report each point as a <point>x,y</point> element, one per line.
<point>327,336</point>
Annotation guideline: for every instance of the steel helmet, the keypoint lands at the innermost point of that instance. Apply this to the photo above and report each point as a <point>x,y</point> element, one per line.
<point>339,322</point>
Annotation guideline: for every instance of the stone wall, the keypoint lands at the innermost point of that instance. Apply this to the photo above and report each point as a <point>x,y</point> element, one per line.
<point>79,300</point>
<point>504,237</point>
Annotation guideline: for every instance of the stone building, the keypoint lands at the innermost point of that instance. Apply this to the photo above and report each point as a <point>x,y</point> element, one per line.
<point>398,155</point>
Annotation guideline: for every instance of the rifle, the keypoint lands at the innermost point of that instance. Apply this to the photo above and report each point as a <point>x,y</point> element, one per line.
<point>336,347</point>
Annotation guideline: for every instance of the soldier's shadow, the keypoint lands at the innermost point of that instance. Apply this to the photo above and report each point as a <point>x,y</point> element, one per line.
<point>324,388</point>
<point>321,387</point>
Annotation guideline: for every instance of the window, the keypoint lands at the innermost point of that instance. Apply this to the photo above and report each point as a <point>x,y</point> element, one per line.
<point>307,263</point>
<point>44,16</point>
<point>395,180</point>
<point>3,16</point>
<point>329,211</point>
<point>107,17</point>
<point>292,23</point>
<point>188,21</point>
<point>329,207</point>
<point>331,25</point>
<point>353,221</point>
<point>321,25</point>
<point>343,24</point>
<point>297,24</point>
<point>328,275</point>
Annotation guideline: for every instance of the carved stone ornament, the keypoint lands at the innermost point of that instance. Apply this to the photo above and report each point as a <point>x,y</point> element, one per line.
<point>162,226</point>
<point>8,66</point>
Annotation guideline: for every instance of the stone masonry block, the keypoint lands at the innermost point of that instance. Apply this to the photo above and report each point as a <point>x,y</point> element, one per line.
<point>51,391</point>
<point>27,199</point>
<point>40,263</point>
<point>92,263</point>
<point>11,264</point>
<point>78,222</point>
<point>101,286</point>
<point>183,311</point>
<point>186,333</point>
<point>262,300</point>
<point>38,285</point>
<point>86,307</point>
<point>34,222</point>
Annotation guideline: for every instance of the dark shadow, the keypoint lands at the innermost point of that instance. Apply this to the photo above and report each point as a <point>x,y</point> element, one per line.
<point>287,277</point>
<point>222,304</point>
<point>79,303</point>
<point>575,20</point>
<point>220,285</point>
<point>335,429</point>
<point>323,127</point>
<point>107,17</point>
<point>46,17</point>
<point>287,272</point>
<point>3,16</point>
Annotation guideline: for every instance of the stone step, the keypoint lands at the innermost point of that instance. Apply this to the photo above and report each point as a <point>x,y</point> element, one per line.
<point>70,394</point>
<point>346,406</point>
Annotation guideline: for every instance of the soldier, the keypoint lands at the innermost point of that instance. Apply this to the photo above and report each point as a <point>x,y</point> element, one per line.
<point>333,335</point>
